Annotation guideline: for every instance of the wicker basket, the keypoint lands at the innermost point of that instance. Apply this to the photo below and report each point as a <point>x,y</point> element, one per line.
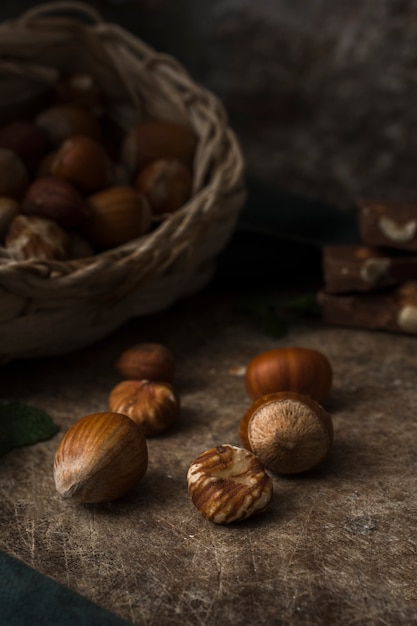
<point>54,307</point>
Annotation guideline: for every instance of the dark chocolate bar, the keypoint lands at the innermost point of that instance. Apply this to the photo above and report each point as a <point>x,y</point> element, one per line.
<point>393,310</point>
<point>364,268</point>
<point>391,224</point>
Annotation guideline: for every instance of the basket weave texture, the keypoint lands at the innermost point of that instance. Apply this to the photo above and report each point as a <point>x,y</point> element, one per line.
<point>53,307</point>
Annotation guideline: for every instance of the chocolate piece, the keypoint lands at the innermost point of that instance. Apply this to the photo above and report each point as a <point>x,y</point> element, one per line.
<point>391,224</point>
<point>363,268</point>
<point>394,310</point>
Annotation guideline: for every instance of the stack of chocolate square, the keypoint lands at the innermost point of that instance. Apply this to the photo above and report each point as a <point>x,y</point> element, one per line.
<point>373,285</point>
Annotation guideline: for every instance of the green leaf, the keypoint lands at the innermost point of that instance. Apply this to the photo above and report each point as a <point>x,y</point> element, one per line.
<point>23,425</point>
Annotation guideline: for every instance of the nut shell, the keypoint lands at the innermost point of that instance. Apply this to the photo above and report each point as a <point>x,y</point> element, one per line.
<point>152,405</point>
<point>100,458</point>
<point>150,361</point>
<point>302,370</point>
<point>288,432</point>
<point>62,121</point>
<point>167,183</point>
<point>157,139</point>
<point>228,484</point>
<point>33,237</point>
<point>117,215</point>
<point>82,161</point>
<point>14,176</point>
<point>55,199</point>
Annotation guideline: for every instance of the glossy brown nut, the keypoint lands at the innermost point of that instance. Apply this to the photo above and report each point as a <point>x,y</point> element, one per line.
<point>26,140</point>
<point>288,432</point>
<point>167,183</point>
<point>146,361</point>
<point>155,139</point>
<point>55,199</point>
<point>62,121</point>
<point>153,405</point>
<point>298,369</point>
<point>83,162</point>
<point>117,215</point>
<point>100,458</point>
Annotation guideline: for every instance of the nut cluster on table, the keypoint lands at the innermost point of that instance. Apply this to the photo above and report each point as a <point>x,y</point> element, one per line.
<point>74,184</point>
<point>284,431</point>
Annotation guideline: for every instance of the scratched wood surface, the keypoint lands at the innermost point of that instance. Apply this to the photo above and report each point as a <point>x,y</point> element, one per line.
<point>336,547</point>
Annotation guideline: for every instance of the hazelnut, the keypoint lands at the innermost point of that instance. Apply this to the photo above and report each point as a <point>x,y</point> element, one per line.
<point>153,405</point>
<point>116,215</point>
<point>167,184</point>
<point>100,458</point>
<point>83,162</point>
<point>55,199</point>
<point>288,432</point>
<point>14,177</point>
<point>303,370</point>
<point>228,484</point>
<point>79,89</point>
<point>9,208</point>
<point>35,237</point>
<point>146,361</point>
<point>26,140</point>
<point>150,140</point>
<point>62,121</point>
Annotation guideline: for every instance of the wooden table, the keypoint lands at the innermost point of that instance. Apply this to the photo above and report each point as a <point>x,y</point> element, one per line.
<point>336,547</point>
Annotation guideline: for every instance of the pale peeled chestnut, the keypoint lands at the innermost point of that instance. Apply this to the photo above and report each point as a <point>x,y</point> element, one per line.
<point>100,458</point>
<point>228,484</point>
<point>82,161</point>
<point>167,184</point>
<point>288,432</point>
<point>117,215</point>
<point>152,405</point>
<point>156,139</point>
<point>298,369</point>
<point>33,237</point>
<point>146,361</point>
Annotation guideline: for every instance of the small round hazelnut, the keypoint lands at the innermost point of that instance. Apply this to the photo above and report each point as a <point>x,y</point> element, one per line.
<point>100,458</point>
<point>298,369</point>
<point>26,140</point>
<point>146,361</point>
<point>150,140</point>
<point>153,405</point>
<point>55,199</point>
<point>83,162</point>
<point>288,432</point>
<point>62,121</point>
<point>14,177</point>
<point>167,184</point>
<point>228,484</point>
<point>116,215</point>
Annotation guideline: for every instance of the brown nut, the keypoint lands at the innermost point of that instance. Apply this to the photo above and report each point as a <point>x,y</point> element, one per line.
<point>146,361</point>
<point>26,140</point>
<point>288,432</point>
<point>167,184</point>
<point>55,199</point>
<point>9,208</point>
<point>62,121</point>
<point>14,177</point>
<point>117,215</point>
<point>83,162</point>
<point>100,458</point>
<point>156,139</point>
<point>153,405</point>
<point>228,484</point>
<point>302,370</point>
<point>32,237</point>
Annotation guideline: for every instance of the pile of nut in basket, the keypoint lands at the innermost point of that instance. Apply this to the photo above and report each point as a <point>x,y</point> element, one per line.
<point>120,180</point>
<point>373,285</point>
